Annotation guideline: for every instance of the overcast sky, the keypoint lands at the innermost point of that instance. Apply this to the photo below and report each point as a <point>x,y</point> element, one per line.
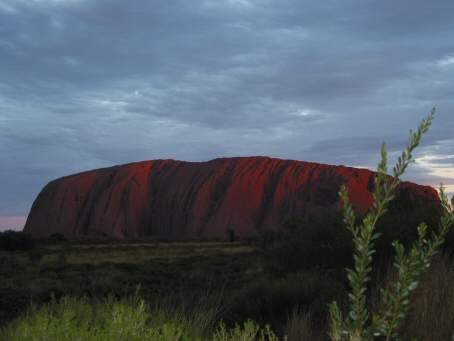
<point>91,84</point>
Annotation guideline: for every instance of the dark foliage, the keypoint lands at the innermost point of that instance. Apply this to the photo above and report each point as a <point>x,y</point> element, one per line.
<point>231,235</point>
<point>13,240</point>
<point>53,239</point>
<point>13,302</point>
<point>405,213</point>
<point>271,301</point>
<point>324,245</point>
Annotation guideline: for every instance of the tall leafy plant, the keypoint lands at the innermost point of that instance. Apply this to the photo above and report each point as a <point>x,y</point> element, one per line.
<point>360,324</point>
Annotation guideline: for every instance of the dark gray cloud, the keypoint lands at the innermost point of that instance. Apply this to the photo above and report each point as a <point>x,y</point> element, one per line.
<point>89,84</point>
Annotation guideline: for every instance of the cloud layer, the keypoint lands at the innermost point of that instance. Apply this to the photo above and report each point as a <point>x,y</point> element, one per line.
<point>89,84</point>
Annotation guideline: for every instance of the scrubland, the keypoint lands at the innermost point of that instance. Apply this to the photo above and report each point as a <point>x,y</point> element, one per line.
<point>203,289</point>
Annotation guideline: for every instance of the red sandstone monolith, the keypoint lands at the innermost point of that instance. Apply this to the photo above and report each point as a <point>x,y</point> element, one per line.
<point>193,199</point>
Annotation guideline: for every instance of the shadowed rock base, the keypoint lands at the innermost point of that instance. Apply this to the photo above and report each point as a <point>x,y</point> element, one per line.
<point>195,199</point>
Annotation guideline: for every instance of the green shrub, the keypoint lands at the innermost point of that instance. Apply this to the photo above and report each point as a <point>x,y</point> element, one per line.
<point>249,332</point>
<point>359,323</point>
<point>71,319</point>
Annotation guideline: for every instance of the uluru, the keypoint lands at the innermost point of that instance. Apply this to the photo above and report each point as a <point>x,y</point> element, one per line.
<point>197,199</point>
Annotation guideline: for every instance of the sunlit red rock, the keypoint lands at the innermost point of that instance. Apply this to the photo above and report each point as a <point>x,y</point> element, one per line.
<point>194,199</point>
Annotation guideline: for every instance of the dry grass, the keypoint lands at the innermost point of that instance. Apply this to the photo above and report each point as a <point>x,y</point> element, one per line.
<point>300,327</point>
<point>200,315</point>
<point>431,311</point>
<point>431,315</point>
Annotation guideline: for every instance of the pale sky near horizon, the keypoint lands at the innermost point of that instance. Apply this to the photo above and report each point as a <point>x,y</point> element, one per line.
<point>90,84</point>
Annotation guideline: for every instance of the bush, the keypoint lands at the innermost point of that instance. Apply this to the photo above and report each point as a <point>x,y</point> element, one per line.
<point>271,301</point>
<point>13,240</point>
<point>72,319</point>
<point>408,209</point>
<point>359,323</point>
<point>324,244</point>
<point>13,301</point>
<point>126,320</point>
<point>300,245</point>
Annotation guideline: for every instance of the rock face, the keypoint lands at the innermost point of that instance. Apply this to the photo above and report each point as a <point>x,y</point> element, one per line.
<point>194,199</point>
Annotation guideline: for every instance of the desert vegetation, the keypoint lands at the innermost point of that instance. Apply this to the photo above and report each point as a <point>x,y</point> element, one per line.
<point>279,285</point>
<point>285,279</point>
<point>360,323</point>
